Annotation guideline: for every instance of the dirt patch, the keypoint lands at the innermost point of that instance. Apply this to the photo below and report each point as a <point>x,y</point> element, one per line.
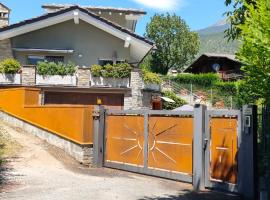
<point>8,151</point>
<point>8,146</point>
<point>76,167</point>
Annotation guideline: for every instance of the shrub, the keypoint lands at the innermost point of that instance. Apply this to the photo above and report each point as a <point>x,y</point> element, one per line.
<point>122,70</point>
<point>178,101</point>
<point>150,77</point>
<point>108,71</point>
<point>119,70</point>
<point>207,79</point>
<point>9,66</point>
<point>96,70</point>
<point>229,88</point>
<point>52,68</point>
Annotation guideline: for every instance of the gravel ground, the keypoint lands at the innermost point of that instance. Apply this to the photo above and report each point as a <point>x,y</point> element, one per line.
<point>40,171</point>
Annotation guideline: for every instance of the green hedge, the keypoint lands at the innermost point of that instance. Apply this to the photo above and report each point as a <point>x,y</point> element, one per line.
<point>150,77</point>
<point>178,101</point>
<point>228,88</point>
<point>9,66</point>
<point>120,70</point>
<point>52,68</point>
<point>207,79</point>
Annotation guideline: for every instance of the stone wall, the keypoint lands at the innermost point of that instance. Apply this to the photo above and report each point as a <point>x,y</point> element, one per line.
<point>83,77</point>
<point>136,84</point>
<point>5,49</point>
<point>128,101</point>
<point>139,98</point>
<point>28,75</point>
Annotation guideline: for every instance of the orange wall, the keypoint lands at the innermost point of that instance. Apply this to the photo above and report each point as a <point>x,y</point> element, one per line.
<point>68,121</point>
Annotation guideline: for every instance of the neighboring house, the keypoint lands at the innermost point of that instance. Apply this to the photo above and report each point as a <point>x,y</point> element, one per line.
<point>84,36</point>
<point>226,65</point>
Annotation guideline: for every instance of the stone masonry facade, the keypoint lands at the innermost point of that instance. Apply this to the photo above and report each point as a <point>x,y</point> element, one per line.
<point>5,49</point>
<point>4,16</point>
<point>138,98</point>
<point>28,75</point>
<point>83,77</point>
<point>136,84</point>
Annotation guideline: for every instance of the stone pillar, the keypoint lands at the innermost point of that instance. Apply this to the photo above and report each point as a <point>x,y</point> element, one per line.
<point>29,75</point>
<point>5,49</point>
<point>83,77</point>
<point>136,84</point>
<point>128,101</point>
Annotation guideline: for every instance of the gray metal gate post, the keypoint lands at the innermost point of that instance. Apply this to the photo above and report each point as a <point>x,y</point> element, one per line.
<point>247,153</point>
<point>198,147</point>
<point>98,133</point>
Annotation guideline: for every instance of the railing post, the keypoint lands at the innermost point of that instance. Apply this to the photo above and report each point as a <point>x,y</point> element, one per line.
<point>198,147</point>
<point>98,132</point>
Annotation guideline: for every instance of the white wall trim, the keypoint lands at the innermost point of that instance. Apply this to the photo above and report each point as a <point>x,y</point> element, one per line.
<point>76,17</point>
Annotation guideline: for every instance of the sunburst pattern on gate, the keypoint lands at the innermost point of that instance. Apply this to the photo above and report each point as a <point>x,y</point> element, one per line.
<point>170,144</point>
<point>125,139</point>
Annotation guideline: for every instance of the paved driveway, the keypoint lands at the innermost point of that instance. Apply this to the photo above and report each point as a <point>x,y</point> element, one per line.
<point>41,171</point>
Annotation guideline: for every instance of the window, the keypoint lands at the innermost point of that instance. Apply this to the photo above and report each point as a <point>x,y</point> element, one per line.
<point>104,62</point>
<point>33,60</point>
<point>55,59</point>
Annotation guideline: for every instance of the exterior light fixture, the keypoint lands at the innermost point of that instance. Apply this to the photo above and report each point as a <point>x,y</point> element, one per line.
<point>99,101</point>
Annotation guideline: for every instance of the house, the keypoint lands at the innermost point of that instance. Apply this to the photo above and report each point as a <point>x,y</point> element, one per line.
<point>226,65</point>
<point>85,36</point>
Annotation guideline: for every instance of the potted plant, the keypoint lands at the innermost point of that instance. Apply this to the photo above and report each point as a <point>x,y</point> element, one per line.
<point>151,81</point>
<point>116,75</point>
<point>51,73</point>
<point>9,71</point>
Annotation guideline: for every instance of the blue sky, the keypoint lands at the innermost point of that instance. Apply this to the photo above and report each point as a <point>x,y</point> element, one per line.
<point>197,13</point>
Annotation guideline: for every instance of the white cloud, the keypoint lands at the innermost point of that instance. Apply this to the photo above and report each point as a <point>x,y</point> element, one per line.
<point>162,4</point>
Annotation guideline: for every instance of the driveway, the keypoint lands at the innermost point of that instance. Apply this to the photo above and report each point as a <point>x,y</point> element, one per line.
<point>40,171</point>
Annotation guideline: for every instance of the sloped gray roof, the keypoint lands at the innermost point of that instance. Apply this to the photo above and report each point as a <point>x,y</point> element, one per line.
<point>95,8</point>
<point>48,15</point>
<point>229,56</point>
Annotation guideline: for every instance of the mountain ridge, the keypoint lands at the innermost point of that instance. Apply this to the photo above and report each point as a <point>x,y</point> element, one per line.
<point>213,39</point>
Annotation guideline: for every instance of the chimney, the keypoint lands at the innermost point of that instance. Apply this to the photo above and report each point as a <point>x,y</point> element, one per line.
<point>4,15</point>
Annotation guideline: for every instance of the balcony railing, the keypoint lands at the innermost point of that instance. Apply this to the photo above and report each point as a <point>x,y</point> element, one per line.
<point>231,75</point>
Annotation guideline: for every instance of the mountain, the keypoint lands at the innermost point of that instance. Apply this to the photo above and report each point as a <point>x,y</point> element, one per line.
<point>213,39</point>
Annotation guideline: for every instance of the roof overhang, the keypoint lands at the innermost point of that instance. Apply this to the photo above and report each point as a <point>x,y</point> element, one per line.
<point>61,51</point>
<point>139,46</point>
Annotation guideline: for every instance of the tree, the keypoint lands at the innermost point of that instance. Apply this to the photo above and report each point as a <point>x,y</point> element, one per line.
<point>236,16</point>
<point>176,44</point>
<point>255,51</point>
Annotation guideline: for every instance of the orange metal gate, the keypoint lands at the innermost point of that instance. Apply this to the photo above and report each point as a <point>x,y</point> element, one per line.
<point>152,144</point>
<point>223,149</point>
<point>222,133</point>
<point>125,139</point>
<point>170,144</point>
